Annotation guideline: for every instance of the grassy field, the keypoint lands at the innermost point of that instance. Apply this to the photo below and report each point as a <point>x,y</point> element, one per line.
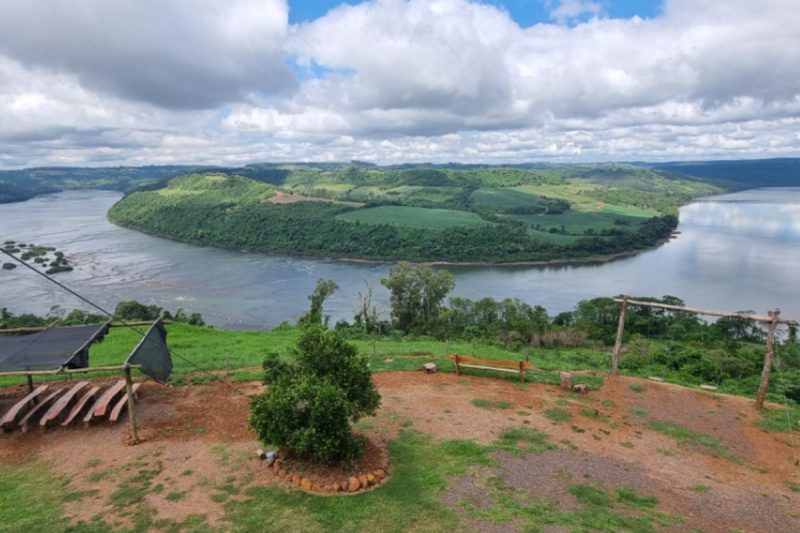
<point>576,223</point>
<point>508,198</point>
<point>243,352</point>
<point>413,217</point>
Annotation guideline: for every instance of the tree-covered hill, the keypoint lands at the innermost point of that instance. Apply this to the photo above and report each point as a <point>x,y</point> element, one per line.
<point>418,214</point>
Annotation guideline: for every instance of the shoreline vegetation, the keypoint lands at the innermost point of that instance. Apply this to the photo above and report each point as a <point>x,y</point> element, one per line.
<point>485,217</point>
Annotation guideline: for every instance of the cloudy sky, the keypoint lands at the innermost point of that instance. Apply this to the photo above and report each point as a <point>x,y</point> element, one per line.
<point>107,82</point>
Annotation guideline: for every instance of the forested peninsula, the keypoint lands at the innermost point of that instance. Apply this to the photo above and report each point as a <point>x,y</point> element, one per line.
<point>444,214</point>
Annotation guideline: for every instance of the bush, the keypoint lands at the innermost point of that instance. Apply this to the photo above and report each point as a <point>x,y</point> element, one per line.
<point>310,404</point>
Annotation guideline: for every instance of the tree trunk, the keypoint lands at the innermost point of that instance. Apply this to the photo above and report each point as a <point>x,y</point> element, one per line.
<point>769,358</point>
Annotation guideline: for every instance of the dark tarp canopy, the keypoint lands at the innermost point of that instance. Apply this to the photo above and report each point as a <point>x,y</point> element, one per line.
<point>152,354</point>
<point>50,349</point>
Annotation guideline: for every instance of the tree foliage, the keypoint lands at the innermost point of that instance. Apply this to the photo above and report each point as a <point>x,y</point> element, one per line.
<point>417,292</point>
<point>310,403</point>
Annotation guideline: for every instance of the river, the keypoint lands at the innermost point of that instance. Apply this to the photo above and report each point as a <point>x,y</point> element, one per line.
<point>734,252</point>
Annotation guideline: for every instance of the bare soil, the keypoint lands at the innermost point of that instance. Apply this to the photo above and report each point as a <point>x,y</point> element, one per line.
<point>292,198</point>
<point>200,451</point>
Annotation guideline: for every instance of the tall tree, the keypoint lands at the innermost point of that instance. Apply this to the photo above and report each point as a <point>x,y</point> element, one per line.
<point>324,288</point>
<point>417,292</point>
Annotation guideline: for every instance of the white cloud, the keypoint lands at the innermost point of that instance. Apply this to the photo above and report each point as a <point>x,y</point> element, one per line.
<point>394,80</point>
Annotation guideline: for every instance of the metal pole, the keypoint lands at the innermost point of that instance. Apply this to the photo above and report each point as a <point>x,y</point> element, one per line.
<point>769,357</point>
<point>131,406</point>
<point>620,331</point>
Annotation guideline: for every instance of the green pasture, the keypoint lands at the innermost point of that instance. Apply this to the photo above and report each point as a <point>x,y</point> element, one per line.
<point>413,217</point>
<point>506,198</point>
<point>576,223</point>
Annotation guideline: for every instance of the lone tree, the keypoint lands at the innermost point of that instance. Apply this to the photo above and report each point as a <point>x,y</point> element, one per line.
<point>417,292</point>
<point>311,403</point>
<point>324,288</point>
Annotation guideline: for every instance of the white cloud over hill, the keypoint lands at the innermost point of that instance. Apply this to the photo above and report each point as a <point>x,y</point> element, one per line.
<point>111,81</point>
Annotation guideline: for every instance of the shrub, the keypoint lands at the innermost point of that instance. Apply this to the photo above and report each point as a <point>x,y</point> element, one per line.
<point>311,404</point>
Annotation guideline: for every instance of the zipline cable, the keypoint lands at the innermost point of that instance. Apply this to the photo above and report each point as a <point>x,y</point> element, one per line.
<point>143,334</point>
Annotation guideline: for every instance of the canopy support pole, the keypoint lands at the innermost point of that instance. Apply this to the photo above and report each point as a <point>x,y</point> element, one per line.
<point>618,342</point>
<point>30,383</point>
<point>769,358</point>
<point>131,405</point>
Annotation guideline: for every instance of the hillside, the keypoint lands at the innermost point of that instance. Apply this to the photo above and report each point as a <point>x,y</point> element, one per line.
<point>489,214</point>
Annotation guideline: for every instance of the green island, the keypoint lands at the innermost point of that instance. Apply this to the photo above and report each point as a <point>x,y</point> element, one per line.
<point>437,214</point>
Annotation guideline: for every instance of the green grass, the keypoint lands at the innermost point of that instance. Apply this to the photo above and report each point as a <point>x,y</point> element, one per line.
<point>557,414</point>
<point>506,198</point>
<point>637,388</point>
<point>523,440</point>
<point>700,489</point>
<point>577,222</point>
<point>780,419</point>
<point>490,404</point>
<point>701,440</point>
<point>413,217</point>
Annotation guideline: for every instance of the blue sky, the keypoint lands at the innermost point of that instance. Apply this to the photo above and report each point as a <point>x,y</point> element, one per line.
<point>524,12</point>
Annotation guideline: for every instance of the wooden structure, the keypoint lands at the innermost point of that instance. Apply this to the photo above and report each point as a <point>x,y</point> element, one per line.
<point>514,367</point>
<point>773,318</point>
<point>55,406</point>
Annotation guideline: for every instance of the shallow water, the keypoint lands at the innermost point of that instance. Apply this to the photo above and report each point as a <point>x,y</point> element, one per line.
<point>737,251</point>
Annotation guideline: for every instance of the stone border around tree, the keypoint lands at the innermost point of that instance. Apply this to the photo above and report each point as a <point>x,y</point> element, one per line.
<point>352,485</point>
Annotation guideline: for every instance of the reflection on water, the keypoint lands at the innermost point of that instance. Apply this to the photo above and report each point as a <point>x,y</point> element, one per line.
<point>737,251</point>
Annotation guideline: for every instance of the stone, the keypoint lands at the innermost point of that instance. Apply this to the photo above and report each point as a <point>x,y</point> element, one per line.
<point>581,389</point>
<point>363,480</point>
<point>353,484</point>
<point>261,454</point>
<point>343,485</point>
<point>380,473</point>
<point>305,483</point>
<point>316,487</point>
<point>371,479</point>
<point>430,368</point>
<point>295,480</point>
<point>566,380</point>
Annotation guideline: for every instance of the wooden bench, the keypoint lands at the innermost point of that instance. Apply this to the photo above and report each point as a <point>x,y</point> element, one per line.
<point>101,405</point>
<point>123,403</point>
<point>514,367</point>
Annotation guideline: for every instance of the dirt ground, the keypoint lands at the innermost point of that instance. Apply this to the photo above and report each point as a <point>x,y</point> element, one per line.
<point>199,450</point>
<point>281,197</point>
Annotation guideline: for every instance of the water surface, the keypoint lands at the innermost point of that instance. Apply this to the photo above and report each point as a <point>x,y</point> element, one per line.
<point>737,251</point>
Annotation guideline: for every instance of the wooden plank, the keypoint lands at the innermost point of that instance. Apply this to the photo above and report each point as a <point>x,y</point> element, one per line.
<point>23,424</point>
<point>496,369</point>
<point>122,402</point>
<point>62,403</point>
<point>101,405</point>
<point>746,316</point>
<point>88,395</point>
<point>10,417</point>
<point>491,362</point>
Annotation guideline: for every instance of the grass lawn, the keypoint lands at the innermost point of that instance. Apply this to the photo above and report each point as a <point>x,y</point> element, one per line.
<point>413,217</point>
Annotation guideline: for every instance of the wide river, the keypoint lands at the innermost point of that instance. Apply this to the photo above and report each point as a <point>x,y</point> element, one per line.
<point>735,252</point>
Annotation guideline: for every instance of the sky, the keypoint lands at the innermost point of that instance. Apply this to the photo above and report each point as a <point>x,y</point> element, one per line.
<point>231,82</point>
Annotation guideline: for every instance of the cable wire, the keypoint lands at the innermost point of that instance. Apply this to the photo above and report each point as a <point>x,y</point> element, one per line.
<point>115,318</point>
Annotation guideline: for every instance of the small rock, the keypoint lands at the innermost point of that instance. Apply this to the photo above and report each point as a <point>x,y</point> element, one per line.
<point>343,485</point>
<point>316,487</point>
<point>371,479</point>
<point>380,473</point>
<point>363,480</point>
<point>295,480</point>
<point>430,368</point>
<point>306,483</point>
<point>261,454</point>
<point>353,484</point>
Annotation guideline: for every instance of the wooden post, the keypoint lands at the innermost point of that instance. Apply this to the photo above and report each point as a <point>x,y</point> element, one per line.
<point>131,406</point>
<point>522,372</point>
<point>769,358</point>
<point>620,331</point>
<point>458,369</point>
<point>30,383</point>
